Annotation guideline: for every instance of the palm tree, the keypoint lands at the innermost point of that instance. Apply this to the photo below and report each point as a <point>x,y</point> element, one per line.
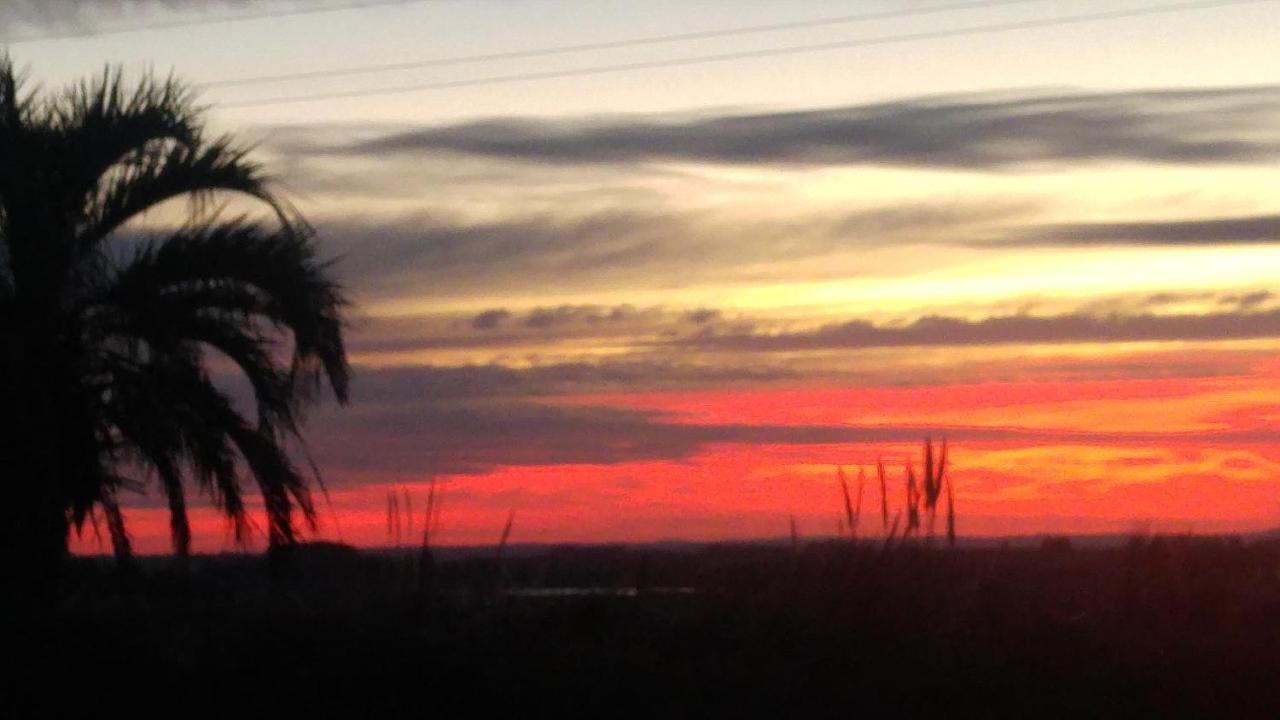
<point>110,337</point>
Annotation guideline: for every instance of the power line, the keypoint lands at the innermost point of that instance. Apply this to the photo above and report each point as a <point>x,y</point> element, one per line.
<point>750,54</point>
<point>195,22</point>
<point>616,44</point>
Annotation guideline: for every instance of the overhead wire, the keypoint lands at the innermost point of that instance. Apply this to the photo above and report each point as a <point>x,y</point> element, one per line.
<point>755,53</point>
<point>620,44</point>
<point>177,23</point>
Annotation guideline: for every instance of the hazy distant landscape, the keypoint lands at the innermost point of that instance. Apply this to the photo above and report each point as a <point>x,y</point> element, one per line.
<point>1151,626</point>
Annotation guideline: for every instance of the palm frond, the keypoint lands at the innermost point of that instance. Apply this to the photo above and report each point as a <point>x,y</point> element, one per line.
<point>120,542</point>
<point>147,179</point>
<point>279,481</point>
<point>14,106</point>
<point>147,421</point>
<point>106,122</point>
<point>210,426</point>
<point>241,271</point>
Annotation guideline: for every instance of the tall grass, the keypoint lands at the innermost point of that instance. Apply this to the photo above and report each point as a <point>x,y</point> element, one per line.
<point>934,474</point>
<point>852,510</point>
<point>501,579</point>
<point>884,498</point>
<point>413,571</point>
<point>922,497</point>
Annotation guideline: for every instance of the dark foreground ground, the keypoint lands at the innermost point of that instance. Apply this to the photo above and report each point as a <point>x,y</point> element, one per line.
<point>1154,628</point>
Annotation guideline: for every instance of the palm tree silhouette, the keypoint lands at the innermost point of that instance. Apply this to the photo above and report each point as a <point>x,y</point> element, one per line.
<point>109,336</point>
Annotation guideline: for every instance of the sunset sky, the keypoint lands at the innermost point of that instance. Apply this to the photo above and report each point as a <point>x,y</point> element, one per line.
<point>638,303</point>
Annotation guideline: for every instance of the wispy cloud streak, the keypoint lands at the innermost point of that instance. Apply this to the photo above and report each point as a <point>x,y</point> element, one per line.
<point>1254,229</point>
<point>1003,330</point>
<point>980,132</point>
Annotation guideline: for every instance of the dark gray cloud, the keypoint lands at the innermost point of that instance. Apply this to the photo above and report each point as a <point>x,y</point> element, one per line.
<point>1248,300</point>
<point>410,384</point>
<point>1009,329</point>
<point>1254,229</point>
<point>86,13</point>
<point>474,438</point>
<point>444,256</point>
<point>974,132</point>
<point>1162,299</point>
<point>412,420</point>
<point>436,255</point>
<point>577,315</point>
<point>490,319</point>
<point>703,316</point>
<point>407,421</point>
<point>657,334</point>
<point>1169,302</point>
<point>429,256</point>
<point>498,328</point>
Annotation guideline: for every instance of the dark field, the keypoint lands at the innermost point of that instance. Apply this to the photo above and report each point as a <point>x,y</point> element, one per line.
<point>1153,627</point>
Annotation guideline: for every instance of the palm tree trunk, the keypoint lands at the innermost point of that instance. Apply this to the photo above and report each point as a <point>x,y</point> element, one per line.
<point>33,522</point>
<point>35,539</point>
<point>33,517</point>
